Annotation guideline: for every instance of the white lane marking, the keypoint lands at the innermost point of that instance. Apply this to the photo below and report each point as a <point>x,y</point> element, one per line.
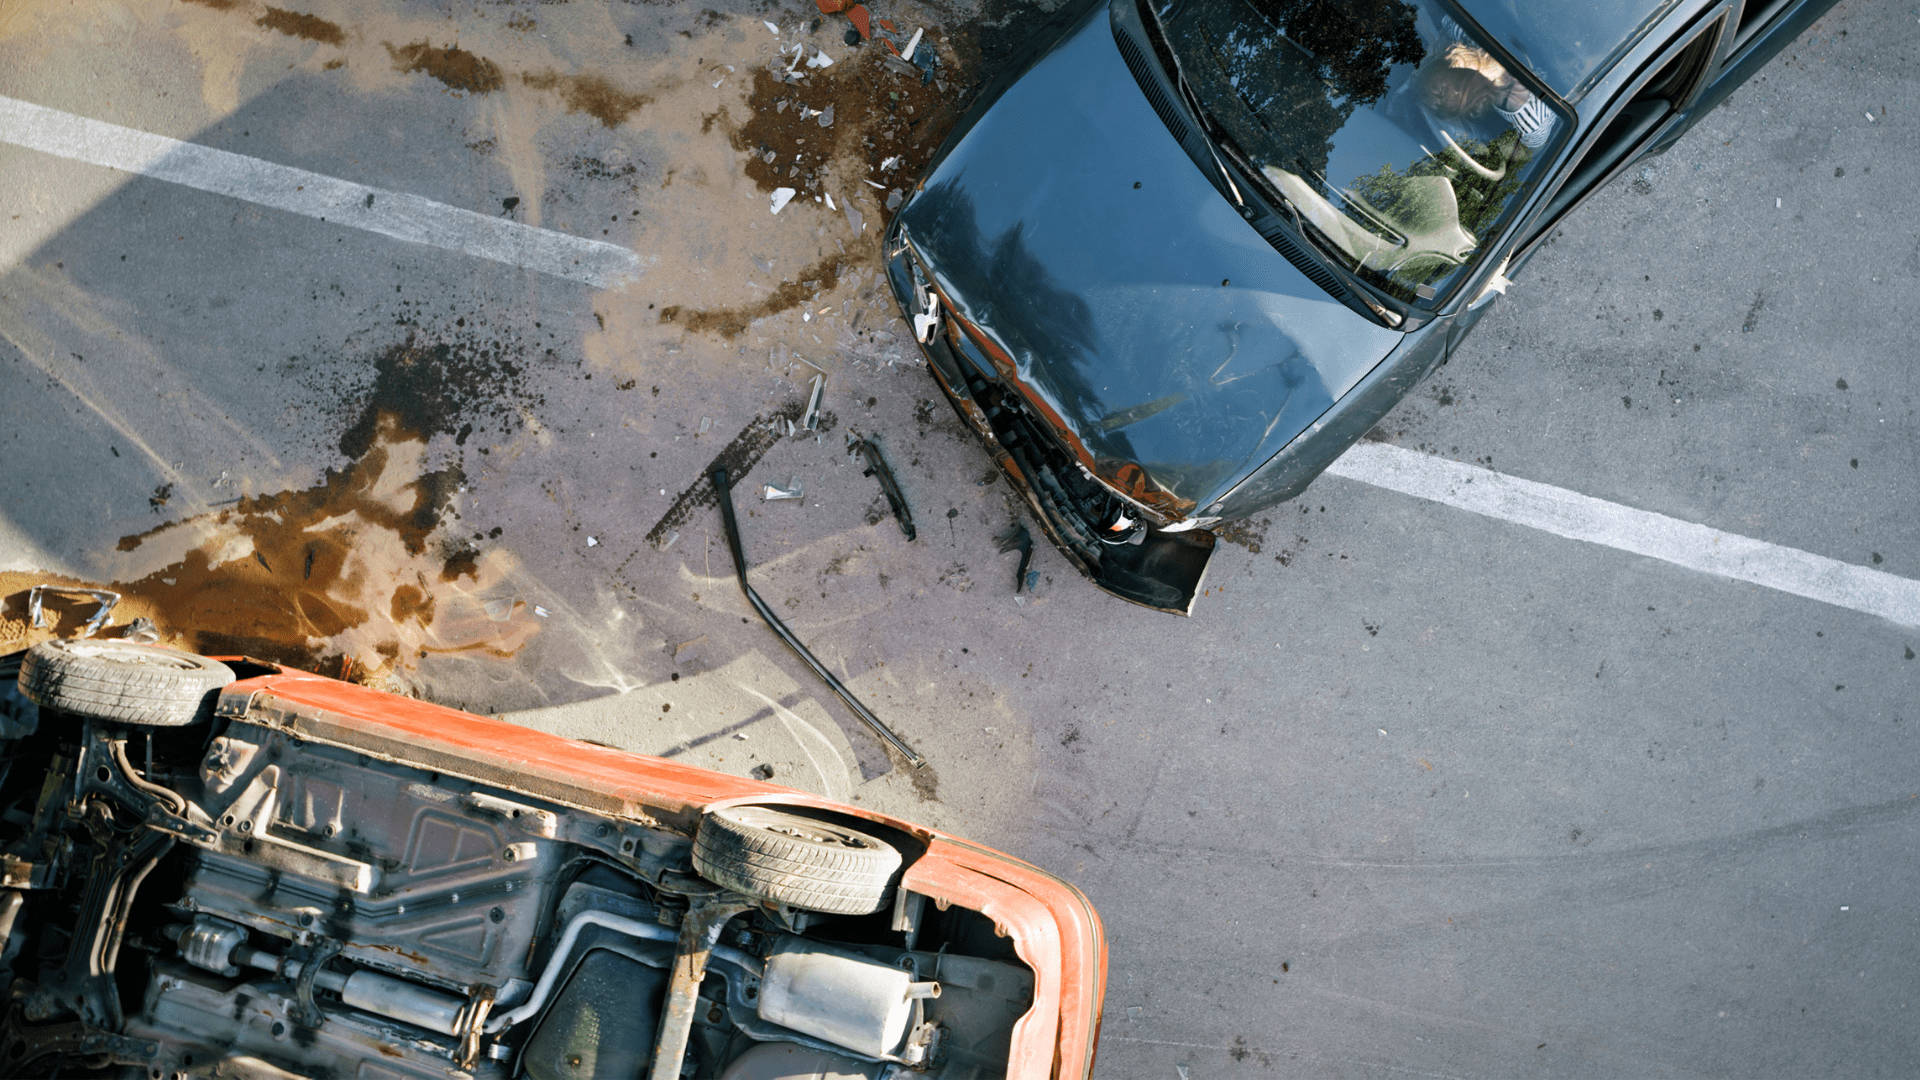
<point>343,202</point>
<point>1642,532</point>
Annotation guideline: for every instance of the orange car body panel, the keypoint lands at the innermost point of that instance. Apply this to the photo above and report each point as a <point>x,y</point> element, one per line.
<point>1053,926</point>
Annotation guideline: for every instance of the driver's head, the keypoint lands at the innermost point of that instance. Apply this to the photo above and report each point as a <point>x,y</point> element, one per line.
<point>1463,84</point>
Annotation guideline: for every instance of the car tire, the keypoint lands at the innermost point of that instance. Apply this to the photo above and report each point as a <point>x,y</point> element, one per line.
<point>144,685</point>
<point>797,861</point>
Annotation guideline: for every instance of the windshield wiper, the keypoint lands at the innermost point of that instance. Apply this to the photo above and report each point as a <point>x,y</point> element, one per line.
<point>1209,133</point>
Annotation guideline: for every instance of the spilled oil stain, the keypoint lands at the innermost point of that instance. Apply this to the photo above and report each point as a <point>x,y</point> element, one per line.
<point>455,67</point>
<point>296,24</point>
<point>731,322</point>
<point>440,387</point>
<point>358,574</point>
<point>590,94</point>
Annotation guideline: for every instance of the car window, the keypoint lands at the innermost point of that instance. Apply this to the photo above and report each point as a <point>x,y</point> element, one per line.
<point>1568,45</point>
<point>1392,136</point>
<point>1647,109</point>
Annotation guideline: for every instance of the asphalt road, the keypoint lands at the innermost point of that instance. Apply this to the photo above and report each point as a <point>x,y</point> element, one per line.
<point>1416,792</point>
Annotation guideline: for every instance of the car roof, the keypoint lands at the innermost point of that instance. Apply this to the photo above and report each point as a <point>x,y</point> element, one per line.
<point>1569,45</point>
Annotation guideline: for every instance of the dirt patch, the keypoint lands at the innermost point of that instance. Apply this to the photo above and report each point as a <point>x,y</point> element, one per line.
<point>1246,533</point>
<point>295,24</point>
<point>886,125</point>
<point>590,94</point>
<point>455,67</point>
<point>821,277</point>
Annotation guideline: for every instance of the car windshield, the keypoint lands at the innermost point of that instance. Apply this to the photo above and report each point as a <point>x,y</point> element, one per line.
<point>1396,137</point>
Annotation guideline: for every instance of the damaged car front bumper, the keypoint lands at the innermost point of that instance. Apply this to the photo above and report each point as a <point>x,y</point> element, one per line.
<point>1151,555</point>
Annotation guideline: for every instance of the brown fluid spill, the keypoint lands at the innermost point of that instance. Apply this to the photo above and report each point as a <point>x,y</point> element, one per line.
<point>217,5</point>
<point>296,24</point>
<point>457,68</point>
<point>731,322</point>
<point>590,94</point>
<point>348,576</point>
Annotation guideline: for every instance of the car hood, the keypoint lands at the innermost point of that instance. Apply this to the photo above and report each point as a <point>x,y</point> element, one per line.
<point>1126,298</point>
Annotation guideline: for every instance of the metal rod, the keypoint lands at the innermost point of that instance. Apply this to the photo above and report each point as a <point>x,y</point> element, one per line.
<point>699,932</point>
<point>724,487</point>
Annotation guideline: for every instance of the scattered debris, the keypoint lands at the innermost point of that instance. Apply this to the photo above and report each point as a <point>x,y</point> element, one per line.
<point>723,487</point>
<point>776,493</point>
<point>38,619</point>
<point>878,468</point>
<point>781,197</point>
<point>810,420</point>
<point>1017,538</point>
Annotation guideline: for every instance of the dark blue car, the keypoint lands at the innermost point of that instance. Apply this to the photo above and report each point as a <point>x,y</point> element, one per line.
<point>1176,261</point>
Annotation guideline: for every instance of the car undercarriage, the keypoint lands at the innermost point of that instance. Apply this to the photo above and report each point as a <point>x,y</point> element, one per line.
<point>237,896</point>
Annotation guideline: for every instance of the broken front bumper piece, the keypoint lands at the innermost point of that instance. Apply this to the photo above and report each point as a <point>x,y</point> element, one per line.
<point>1105,535</point>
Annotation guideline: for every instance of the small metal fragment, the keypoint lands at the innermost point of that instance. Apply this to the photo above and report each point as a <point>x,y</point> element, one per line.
<point>810,420</point>
<point>775,493</point>
<point>1018,539</point>
<point>878,468</point>
<point>38,619</point>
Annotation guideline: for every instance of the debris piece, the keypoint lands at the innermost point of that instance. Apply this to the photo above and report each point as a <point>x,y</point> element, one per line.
<point>671,539</point>
<point>829,194</point>
<point>826,116</point>
<point>878,468</point>
<point>831,7</point>
<point>855,219</point>
<point>894,198</point>
<point>763,772</point>
<point>862,20</point>
<point>820,60</point>
<point>781,197</point>
<point>593,541</point>
<point>891,163</point>
<point>810,420</point>
<point>741,735</point>
<point>772,29</point>
<point>687,650</point>
<point>912,44</point>
<point>1017,538</point>
<point>141,631</point>
<point>540,611</point>
<point>38,619</point>
<point>724,486</point>
<point>775,493</point>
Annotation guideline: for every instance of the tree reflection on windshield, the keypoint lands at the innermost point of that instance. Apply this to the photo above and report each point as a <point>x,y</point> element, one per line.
<point>1397,139</point>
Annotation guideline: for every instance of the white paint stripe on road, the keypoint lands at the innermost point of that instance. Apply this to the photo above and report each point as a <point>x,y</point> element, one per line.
<point>1657,536</point>
<point>343,202</point>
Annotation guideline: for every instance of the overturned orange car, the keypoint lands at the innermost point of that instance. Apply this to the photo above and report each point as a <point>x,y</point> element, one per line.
<point>226,868</point>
